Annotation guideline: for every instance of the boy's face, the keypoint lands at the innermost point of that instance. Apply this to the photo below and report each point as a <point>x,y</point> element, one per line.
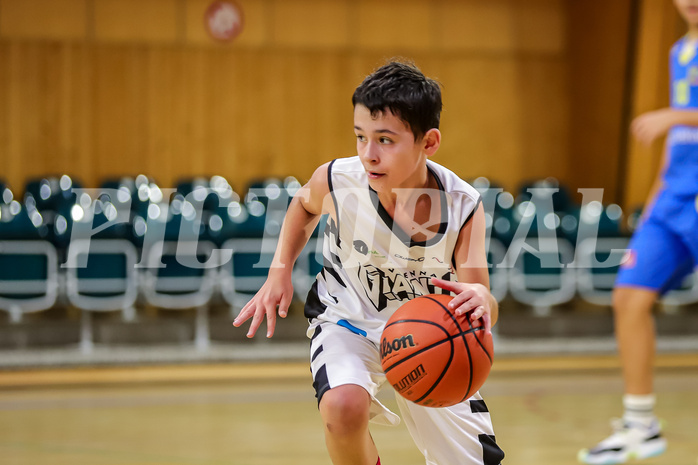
<point>688,9</point>
<point>388,150</point>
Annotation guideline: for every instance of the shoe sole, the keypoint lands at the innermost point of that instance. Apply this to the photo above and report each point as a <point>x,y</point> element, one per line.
<point>645,451</point>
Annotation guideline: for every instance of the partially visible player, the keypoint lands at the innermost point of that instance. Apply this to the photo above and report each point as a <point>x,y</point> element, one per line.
<point>662,252</point>
<point>399,225</point>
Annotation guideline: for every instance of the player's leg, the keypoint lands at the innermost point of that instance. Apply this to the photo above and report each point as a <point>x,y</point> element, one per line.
<point>635,335</point>
<point>347,376</point>
<point>345,414</point>
<point>658,261</point>
<point>453,435</point>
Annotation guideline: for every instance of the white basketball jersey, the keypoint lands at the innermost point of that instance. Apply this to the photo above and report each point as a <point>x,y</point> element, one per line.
<point>372,265</point>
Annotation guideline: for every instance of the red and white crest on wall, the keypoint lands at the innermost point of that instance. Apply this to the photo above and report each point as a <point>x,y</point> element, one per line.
<point>224,20</point>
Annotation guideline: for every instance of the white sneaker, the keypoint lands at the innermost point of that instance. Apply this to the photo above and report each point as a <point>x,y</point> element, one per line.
<point>628,441</point>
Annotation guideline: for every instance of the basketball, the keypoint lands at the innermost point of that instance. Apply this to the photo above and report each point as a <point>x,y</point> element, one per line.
<point>433,357</point>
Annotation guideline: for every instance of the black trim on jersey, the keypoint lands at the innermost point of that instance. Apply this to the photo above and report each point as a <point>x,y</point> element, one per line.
<point>472,213</point>
<point>336,261</point>
<point>321,383</point>
<point>467,220</point>
<point>313,306</point>
<point>477,406</point>
<point>329,268</point>
<point>316,333</point>
<point>334,200</point>
<point>316,353</point>
<point>491,453</point>
<point>332,272</point>
<point>399,232</point>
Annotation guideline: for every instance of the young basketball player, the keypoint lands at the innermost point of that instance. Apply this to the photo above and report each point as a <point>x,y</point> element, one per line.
<point>399,226</point>
<point>663,251</point>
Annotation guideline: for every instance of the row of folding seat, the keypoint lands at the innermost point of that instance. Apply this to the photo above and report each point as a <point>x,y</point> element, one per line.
<point>209,209</point>
<point>145,244</point>
<point>546,208</point>
<point>546,249</point>
<point>173,258</point>
<point>135,208</point>
<point>105,275</point>
<point>113,275</point>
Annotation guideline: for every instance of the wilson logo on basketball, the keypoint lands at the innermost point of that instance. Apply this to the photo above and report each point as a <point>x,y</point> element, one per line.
<point>411,378</point>
<point>398,343</point>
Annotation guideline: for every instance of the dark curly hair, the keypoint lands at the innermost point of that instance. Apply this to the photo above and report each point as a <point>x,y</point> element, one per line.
<point>402,88</point>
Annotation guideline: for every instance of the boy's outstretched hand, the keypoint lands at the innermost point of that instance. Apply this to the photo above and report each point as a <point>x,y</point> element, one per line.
<point>475,297</point>
<point>274,293</point>
<point>653,124</point>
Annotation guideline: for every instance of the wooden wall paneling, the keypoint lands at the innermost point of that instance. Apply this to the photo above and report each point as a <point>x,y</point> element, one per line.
<point>53,102</point>
<point>260,111</point>
<point>277,100</point>
<point>542,93</point>
<point>656,32</point>
<point>61,113</point>
<point>476,26</point>
<point>300,115</point>
<point>137,20</point>
<point>138,58</point>
<point>540,26</point>
<point>502,26</point>
<point>5,174</point>
<point>82,111</point>
<point>163,141</point>
<point>43,19</point>
<point>481,119</point>
<point>228,106</point>
<point>296,113</point>
<point>67,120</point>
<point>598,36</point>
<point>30,161</point>
<point>192,108</point>
<point>120,116</point>
<point>333,93</point>
<point>261,98</point>
<point>13,125</point>
<point>400,26</point>
<point>256,29</point>
<point>331,115</point>
<point>311,23</point>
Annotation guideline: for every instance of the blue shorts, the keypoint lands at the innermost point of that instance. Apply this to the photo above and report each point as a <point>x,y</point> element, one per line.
<point>664,250</point>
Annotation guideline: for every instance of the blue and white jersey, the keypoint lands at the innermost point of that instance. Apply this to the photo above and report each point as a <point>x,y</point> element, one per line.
<point>371,265</point>
<point>681,176</point>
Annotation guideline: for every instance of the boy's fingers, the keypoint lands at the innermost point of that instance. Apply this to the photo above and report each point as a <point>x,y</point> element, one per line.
<point>256,321</point>
<point>271,320</point>
<point>283,306</point>
<point>478,312</point>
<point>465,307</point>
<point>244,314</point>
<point>443,284</point>
<point>460,299</point>
<point>488,323</point>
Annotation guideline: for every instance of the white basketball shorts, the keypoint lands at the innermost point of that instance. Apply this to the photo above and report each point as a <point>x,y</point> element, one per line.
<point>457,435</point>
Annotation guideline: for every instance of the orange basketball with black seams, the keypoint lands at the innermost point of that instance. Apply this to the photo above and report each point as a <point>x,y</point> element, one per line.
<point>433,357</point>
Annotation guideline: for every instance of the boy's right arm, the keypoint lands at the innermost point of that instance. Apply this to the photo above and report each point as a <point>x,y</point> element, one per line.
<point>301,219</point>
<point>653,124</point>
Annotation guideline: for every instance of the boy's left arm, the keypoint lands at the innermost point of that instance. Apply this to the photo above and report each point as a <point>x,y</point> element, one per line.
<point>653,124</point>
<point>473,286</point>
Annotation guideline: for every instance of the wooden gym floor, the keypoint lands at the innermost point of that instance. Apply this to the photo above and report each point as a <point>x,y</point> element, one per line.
<point>544,410</point>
